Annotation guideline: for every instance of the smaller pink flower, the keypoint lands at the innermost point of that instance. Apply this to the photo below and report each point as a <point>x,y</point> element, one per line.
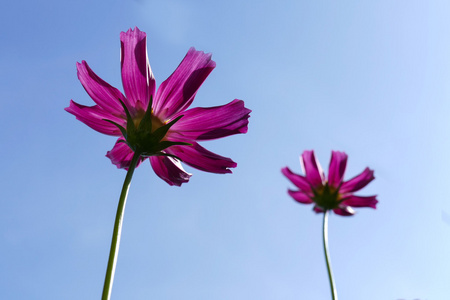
<point>332,194</point>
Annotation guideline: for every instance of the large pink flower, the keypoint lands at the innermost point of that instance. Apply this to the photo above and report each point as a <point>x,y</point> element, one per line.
<point>332,194</point>
<point>170,132</point>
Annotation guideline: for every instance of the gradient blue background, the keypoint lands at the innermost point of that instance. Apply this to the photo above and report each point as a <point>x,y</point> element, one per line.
<point>371,78</point>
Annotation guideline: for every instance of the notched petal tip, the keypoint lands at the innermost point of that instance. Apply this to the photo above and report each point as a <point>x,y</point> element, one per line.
<point>176,93</point>
<point>358,201</point>
<point>208,123</point>
<point>358,182</point>
<point>205,55</point>
<point>133,32</point>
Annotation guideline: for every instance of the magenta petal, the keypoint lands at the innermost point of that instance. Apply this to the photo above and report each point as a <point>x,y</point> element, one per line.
<point>94,117</point>
<point>357,201</point>
<point>121,155</point>
<point>169,170</point>
<point>336,170</point>
<point>200,158</point>
<point>299,196</point>
<point>106,96</point>
<point>313,171</point>
<point>298,180</point>
<point>137,77</point>
<point>213,122</point>
<point>344,211</point>
<point>318,209</point>
<point>177,92</point>
<point>357,182</point>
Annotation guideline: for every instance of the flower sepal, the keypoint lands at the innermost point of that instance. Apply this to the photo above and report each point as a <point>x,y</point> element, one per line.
<point>145,139</point>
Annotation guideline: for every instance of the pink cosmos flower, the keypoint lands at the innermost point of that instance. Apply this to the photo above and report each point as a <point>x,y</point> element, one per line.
<point>332,194</point>
<point>158,124</point>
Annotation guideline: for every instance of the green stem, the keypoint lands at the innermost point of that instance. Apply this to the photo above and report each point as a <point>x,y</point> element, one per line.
<point>115,243</point>
<point>325,248</point>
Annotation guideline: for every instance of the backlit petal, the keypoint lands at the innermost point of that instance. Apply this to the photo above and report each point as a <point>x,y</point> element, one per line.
<point>318,209</point>
<point>357,182</point>
<point>213,122</point>
<point>105,95</point>
<point>121,155</point>
<point>137,77</point>
<point>345,211</point>
<point>312,169</point>
<point>93,116</point>
<point>177,92</point>
<point>200,158</point>
<point>299,196</point>
<point>298,180</point>
<point>336,170</point>
<point>169,170</point>
<point>357,201</point>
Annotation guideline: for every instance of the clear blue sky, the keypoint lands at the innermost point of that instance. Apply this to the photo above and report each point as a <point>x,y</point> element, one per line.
<point>371,78</point>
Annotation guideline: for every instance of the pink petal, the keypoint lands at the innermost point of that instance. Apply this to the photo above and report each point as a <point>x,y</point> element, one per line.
<point>213,122</point>
<point>344,211</point>
<point>169,170</point>
<point>121,155</point>
<point>311,166</point>
<point>299,196</point>
<point>318,209</point>
<point>357,182</point>
<point>137,77</point>
<point>356,201</point>
<point>298,180</point>
<point>93,116</point>
<point>336,170</point>
<point>198,157</point>
<point>177,92</point>
<point>106,96</point>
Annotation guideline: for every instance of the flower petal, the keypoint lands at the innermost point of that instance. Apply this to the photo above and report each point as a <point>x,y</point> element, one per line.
<point>312,169</point>
<point>105,95</point>
<point>169,170</point>
<point>357,182</point>
<point>298,180</point>
<point>336,170</point>
<point>299,196</point>
<point>94,117</point>
<point>213,122</point>
<point>200,158</point>
<point>318,209</point>
<point>357,201</point>
<point>177,92</point>
<point>121,155</point>
<point>344,211</point>
<point>137,77</point>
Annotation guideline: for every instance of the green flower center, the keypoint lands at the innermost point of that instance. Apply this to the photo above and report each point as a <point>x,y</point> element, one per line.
<point>327,197</point>
<point>145,133</point>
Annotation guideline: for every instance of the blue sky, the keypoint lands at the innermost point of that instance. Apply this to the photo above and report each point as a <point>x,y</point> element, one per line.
<point>371,78</point>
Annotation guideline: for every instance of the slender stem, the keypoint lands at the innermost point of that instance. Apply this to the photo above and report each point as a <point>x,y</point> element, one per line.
<point>115,243</point>
<point>325,248</point>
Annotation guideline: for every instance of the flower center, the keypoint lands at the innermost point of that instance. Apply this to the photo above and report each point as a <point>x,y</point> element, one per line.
<point>327,197</point>
<point>145,133</point>
<point>156,122</point>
